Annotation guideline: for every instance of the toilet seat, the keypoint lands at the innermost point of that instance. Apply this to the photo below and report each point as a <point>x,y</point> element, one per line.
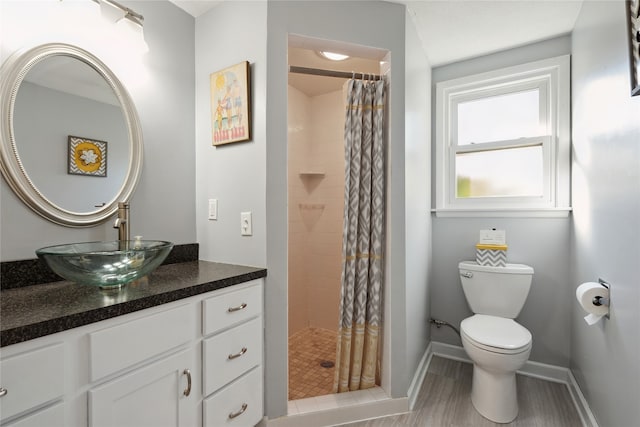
<point>496,334</point>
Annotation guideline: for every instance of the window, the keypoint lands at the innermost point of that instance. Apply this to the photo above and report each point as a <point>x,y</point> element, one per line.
<point>502,142</point>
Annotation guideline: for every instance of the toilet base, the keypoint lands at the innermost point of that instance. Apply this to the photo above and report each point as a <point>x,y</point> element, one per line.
<point>494,395</point>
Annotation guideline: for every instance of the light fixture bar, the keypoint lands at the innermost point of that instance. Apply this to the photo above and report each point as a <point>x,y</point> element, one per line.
<point>129,13</point>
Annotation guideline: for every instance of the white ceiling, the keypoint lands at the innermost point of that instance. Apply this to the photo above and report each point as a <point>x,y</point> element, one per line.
<point>454,30</point>
<point>196,7</point>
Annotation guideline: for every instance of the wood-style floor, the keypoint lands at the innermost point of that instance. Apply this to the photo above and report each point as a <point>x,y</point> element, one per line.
<point>445,401</point>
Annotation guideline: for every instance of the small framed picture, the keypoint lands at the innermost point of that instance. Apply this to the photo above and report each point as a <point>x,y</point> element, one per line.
<point>633,35</point>
<point>87,157</point>
<point>231,104</point>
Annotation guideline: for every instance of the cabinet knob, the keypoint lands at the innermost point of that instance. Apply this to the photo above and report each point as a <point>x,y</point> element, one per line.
<point>239,412</point>
<point>233,356</point>
<point>3,391</point>
<point>238,308</point>
<point>187,391</point>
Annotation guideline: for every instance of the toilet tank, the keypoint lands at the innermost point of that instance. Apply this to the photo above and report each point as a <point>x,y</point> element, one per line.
<point>495,291</point>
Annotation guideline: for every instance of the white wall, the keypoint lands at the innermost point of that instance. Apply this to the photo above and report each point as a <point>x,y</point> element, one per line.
<point>234,174</point>
<point>299,152</point>
<point>379,25</point>
<point>324,212</point>
<point>316,205</point>
<point>606,201</point>
<point>161,84</point>
<point>418,197</point>
<point>542,243</point>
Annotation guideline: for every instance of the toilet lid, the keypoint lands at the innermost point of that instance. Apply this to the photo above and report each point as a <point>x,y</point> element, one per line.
<point>496,332</point>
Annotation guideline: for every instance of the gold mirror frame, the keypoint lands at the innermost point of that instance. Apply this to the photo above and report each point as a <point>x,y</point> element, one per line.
<point>12,73</point>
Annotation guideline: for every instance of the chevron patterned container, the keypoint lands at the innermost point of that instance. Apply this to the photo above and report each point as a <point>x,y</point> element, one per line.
<point>493,255</point>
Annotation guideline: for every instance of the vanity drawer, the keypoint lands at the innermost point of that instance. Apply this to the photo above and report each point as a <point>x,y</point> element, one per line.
<point>229,354</point>
<point>50,417</point>
<point>222,311</point>
<point>31,379</point>
<point>127,344</point>
<point>238,404</point>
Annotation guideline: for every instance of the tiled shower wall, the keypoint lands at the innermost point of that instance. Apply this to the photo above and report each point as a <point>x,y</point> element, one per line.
<point>316,126</point>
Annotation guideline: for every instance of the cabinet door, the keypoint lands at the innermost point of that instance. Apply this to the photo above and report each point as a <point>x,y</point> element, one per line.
<point>151,396</point>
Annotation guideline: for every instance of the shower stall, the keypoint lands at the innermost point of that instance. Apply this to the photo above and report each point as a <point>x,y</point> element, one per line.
<point>316,192</point>
<point>316,168</point>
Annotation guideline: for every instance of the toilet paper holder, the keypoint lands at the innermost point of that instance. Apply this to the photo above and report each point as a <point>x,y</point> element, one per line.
<point>598,301</point>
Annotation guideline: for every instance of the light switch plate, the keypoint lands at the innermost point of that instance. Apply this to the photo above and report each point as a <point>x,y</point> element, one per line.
<point>213,209</point>
<point>245,224</point>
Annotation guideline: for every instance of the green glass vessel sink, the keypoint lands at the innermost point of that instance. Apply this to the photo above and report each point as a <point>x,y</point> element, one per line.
<point>105,264</point>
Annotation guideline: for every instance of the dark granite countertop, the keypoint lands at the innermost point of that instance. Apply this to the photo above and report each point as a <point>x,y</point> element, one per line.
<point>34,311</point>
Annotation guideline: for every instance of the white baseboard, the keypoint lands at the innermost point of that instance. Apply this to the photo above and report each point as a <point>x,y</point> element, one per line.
<point>581,403</point>
<point>342,415</point>
<point>418,377</point>
<point>533,369</point>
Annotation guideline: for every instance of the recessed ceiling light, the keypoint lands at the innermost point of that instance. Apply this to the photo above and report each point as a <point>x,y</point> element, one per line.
<point>333,55</point>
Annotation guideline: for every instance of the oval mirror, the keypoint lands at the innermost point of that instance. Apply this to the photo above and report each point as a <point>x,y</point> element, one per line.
<point>70,140</point>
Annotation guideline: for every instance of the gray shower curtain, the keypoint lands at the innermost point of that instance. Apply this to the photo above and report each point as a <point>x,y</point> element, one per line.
<point>357,359</point>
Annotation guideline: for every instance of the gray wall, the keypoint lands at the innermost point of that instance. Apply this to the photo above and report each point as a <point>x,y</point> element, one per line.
<point>606,201</point>
<point>542,243</point>
<point>162,86</point>
<point>417,200</point>
<point>234,174</point>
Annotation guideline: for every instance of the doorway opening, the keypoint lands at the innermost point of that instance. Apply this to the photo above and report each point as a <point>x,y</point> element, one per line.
<point>316,186</point>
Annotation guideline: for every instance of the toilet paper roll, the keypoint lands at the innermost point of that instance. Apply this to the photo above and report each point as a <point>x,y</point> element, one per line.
<point>585,294</point>
<point>592,319</point>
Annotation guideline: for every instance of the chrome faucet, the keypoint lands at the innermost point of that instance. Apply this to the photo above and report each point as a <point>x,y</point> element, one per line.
<point>122,223</point>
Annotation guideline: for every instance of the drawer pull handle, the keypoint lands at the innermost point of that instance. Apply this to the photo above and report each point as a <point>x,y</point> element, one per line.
<point>238,308</point>
<point>187,391</point>
<point>3,391</point>
<point>233,356</point>
<point>238,413</point>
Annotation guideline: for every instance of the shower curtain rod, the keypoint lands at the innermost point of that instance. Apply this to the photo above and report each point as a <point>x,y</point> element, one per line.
<point>333,73</point>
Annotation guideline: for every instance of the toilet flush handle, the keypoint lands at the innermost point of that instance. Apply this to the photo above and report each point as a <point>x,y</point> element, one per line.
<point>467,274</point>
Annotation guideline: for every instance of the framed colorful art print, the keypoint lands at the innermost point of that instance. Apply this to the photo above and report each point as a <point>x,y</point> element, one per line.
<point>87,157</point>
<point>231,104</point>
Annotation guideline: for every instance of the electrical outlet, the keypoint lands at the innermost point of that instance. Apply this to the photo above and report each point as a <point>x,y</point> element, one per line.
<point>213,209</point>
<point>245,224</point>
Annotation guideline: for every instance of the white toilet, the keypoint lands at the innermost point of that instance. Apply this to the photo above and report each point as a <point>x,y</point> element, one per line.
<point>497,344</point>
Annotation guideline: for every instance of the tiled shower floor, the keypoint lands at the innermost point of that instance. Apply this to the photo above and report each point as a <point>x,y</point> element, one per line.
<point>307,348</point>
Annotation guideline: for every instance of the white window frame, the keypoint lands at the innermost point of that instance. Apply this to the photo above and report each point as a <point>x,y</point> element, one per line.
<point>552,78</point>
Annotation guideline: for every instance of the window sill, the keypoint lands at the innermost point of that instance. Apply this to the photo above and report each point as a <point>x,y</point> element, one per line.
<point>503,213</point>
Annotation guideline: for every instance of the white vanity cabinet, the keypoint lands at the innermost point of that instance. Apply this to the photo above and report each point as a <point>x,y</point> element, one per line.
<point>177,364</point>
